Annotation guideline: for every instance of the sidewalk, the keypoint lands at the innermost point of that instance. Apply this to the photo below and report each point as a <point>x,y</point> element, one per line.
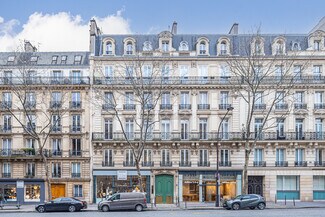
<point>183,206</point>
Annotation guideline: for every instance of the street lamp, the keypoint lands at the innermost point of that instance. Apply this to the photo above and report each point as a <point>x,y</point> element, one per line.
<point>230,108</point>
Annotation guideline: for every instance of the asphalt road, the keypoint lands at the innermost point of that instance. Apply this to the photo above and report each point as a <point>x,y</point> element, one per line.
<point>185,213</point>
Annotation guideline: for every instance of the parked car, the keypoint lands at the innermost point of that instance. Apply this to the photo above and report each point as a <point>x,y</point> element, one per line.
<point>124,201</point>
<point>246,201</point>
<point>62,204</point>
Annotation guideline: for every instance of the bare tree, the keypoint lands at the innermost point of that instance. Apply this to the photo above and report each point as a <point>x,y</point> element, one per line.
<point>140,81</point>
<point>257,76</point>
<point>30,104</point>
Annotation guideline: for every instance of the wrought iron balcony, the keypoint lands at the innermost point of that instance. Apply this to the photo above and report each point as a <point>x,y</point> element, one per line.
<point>203,163</point>
<point>30,104</point>
<point>147,163</point>
<point>281,106</point>
<point>319,163</point>
<point>4,105</point>
<point>281,163</point>
<point>5,129</point>
<point>166,163</point>
<point>224,106</point>
<point>108,163</point>
<point>75,153</point>
<point>185,163</point>
<point>260,106</point>
<point>300,106</point>
<point>30,175</point>
<point>148,106</point>
<point>128,163</point>
<point>55,104</point>
<point>259,163</point>
<point>185,106</point>
<point>55,153</point>
<point>166,106</point>
<point>319,106</point>
<point>107,106</point>
<point>75,104</point>
<point>6,175</point>
<point>56,175</point>
<point>75,129</point>
<point>75,175</point>
<point>225,163</point>
<point>300,163</point>
<point>203,106</point>
<point>129,106</point>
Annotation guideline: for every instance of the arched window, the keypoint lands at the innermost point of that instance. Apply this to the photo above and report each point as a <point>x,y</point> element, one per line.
<point>279,48</point>
<point>203,49</point>
<point>129,48</point>
<point>109,48</point>
<point>295,46</point>
<point>258,47</point>
<point>223,48</point>
<point>183,46</point>
<point>147,46</point>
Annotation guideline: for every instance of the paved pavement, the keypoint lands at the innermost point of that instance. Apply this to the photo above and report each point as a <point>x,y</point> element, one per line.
<point>185,206</point>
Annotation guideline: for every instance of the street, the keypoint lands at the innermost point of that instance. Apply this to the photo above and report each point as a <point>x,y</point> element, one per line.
<point>185,213</point>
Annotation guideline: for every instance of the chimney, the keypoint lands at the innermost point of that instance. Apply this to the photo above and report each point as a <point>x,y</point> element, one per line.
<point>174,28</point>
<point>28,47</point>
<point>234,29</point>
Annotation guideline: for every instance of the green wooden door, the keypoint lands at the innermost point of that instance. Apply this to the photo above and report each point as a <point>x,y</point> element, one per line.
<point>164,187</point>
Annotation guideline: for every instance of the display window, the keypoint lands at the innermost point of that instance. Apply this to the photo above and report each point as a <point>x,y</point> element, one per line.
<point>32,193</point>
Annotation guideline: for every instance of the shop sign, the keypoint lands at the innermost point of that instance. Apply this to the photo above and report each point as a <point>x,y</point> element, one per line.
<point>191,177</point>
<point>20,184</point>
<point>191,182</point>
<point>122,175</point>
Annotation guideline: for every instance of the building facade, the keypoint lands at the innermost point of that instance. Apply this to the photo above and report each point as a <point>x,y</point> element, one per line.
<point>179,161</point>
<point>44,93</point>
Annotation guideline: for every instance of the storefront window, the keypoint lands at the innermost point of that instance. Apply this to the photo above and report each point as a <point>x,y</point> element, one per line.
<point>32,192</point>
<point>8,193</point>
<point>191,190</point>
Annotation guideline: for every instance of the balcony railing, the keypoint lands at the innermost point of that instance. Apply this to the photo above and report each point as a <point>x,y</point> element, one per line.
<point>225,163</point>
<point>166,163</point>
<point>185,106</point>
<point>128,163</point>
<point>56,175</point>
<point>129,106</point>
<point>55,153</point>
<point>24,152</point>
<point>300,106</point>
<point>281,163</point>
<point>75,175</point>
<point>281,106</point>
<point>6,175</point>
<point>319,163</point>
<point>300,163</point>
<point>41,80</point>
<point>107,106</point>
<point>75,153</point>
<point>259,163</point>
<point>108,163</point>
<point>5,105</point>
<point>55,104</point>
<point>224,106</point>
<point>203,106</point>
<point>30,175</point>
<point>185,164</point>
<point>319,106</point>
<point>30,104</point>
<point>148,106</point>
<point>75,129</point>
<point>5,129</point>
<point>211,136</point>
<point>75,104</point>
<point>147,163</point>
<point>261,106</point>
<point>203,163</point>
<point>166,106</point>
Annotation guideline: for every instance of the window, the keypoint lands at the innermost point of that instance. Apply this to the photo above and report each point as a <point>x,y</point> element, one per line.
<point>185,100</point>
<point>184,129</point>
<point>223,48</point>
<point>56,100</point>
<point>11,59</point>
<point>108,101</point>
<point>32,193</point>
<point>257,71</point>
<point>64,59</point>
<point>30,100</point>
<point>129,72</point>
<point>9,192</point>
<point>317,45</point>
<point>319,128</point>
<point>258,127</point>
<point>299,129</point>
<point>259,100</point>
<point>108,157</point>
<point>129,158</point>
<point>129,98</point>
<point>165,72</point>
<point>147,46</point>
<point>184,161</point>
<point>77,59</point>
<point>30,143</point>
<point>203,128</point>
<point>76,147</point>
<point>56,77</point>
<point>295,46</point>
<point>108,129</point>
<point>54,60</point>
<point>6,123</point>
<point>297,72</point>
<point>56,170</point>
<point>147,158</point>
<point>33,59</point>
<point>224,100</point>
<point>258,154</point>
<point>75,170</point>
<point>6,100</point>
<point>165,129</point>
<point>183,73</point>
<point>317,71</point>
<point>75,100</point>
<point>203,157</point>
<point>165,46</point>
<point>165,100</point>
<point>6,170</point>
<point>165,157</point>
<point>288,183</point>
<point>203,101</point>
<point>225,129</point>
<point>147,71</point>
<point>203,73</point>
<point>6,147</point>
<point>7,77</point>
<point>319,156</point>
<point>280,155</point>
<point>148,128</point>
<point>109,48</point>
<point>77,190</point>
<point>225,157</point>
<point>76,77</point>
<point>56,147</point>
<point>224,74</point>
<point>129,129</point>
<point>129,48</point>
<point>280,128</point>
<point>280,103</point>
<point>299,155</point>
<point>279,72</point>
<point>30,122</point>
<point>30,169</point>
<point>319,183</point>
<point>183,46</point>
<point>319,100</point>
<point>203,49</point>
<point>279,47</point>
<point>76,123</point>
<point>108,73</point>
<point>258,47</point>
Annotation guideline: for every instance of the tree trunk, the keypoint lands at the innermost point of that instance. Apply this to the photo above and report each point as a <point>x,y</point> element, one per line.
<point>137,165</point>
<point>47,175</point>
<point>245,173</point>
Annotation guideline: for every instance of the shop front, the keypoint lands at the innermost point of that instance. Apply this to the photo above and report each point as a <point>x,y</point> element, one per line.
<point>106,183</point>
<point>22,191</point>
<point>200,186</point>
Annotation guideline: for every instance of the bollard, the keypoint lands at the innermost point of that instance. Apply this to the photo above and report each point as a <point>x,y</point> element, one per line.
<point>275,198</point>
<point>285,199</point>
<point>294,203</point>
<point>185,204</point>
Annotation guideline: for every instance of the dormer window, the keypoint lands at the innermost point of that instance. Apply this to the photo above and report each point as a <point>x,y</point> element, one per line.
<point>147,46</point>
<point>11,59</point>
<point>223,48</point>
<point>64,59</point>
<point>33,59</point>
<point>77,59</point>
<point>165,46</point>
<point>183,46</point>
<point>295,46</point>
<point>279,48</point>
<point>129,48</point>
<point>258,47</point>
<point>54,60</point>
<point>109,48</point>
<point>317,45</point>
<point>203,49</point>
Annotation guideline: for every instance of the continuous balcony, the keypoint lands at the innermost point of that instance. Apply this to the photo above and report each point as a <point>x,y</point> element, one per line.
<point>107,106</point>
<point>41,80</point>
<point>24,153</point>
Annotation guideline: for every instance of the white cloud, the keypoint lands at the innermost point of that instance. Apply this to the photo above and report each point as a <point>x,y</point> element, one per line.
<point>58,32</point>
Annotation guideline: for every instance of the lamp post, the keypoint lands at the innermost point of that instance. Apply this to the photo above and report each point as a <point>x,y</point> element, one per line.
<point>230,108</point>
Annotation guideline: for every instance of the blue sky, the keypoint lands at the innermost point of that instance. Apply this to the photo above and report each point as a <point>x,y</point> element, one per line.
<point>153,16</point>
